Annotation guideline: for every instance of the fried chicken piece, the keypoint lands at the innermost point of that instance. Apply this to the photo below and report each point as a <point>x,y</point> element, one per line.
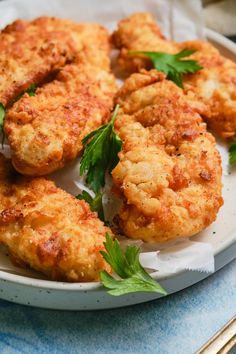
<point>31,50</point>
<point>48,229</point>
<point>215,85</point>
<point>140,32</point>
<point>45,131</point>
<point>169,173</point>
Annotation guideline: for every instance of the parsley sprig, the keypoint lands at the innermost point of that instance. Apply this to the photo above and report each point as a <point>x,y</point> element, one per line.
<point>2,116</point>
<point>95,203</point>
<point>31,90</point>
<point>232,153</point>
<point>171,64</point>
<point>132,276</point>
<point>100,154</point>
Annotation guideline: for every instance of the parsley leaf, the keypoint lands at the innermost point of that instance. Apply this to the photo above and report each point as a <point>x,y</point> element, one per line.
<point>2,115</point>
<point>95,203</point>
<point>31,90</point>
<point>171,64</point>
<point>100,154</point>
<point>133,276</point>
<point>232,153</point>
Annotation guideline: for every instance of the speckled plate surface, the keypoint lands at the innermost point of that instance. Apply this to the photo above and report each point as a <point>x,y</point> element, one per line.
<point>39,292</point>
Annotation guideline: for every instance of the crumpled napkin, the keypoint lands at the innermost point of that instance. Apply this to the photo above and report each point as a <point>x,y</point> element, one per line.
<point>185,254</point>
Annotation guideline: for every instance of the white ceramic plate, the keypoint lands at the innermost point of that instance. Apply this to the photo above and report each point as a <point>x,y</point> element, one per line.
<point>88,296</point>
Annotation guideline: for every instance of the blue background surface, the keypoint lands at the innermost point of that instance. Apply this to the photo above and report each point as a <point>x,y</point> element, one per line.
<point>177,324</point>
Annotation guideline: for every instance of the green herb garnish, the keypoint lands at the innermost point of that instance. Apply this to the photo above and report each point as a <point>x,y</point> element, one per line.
<point>232,153</point>
<point>95,203</point>
<point>100,154</point>
<point>171,64</point>
<point>2,115</point>
<point>132,276</point>
<point>31,90</point>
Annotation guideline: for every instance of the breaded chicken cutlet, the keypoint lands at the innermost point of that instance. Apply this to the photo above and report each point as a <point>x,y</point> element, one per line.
<point>169,173</point>
<point>48,229</point>
<point>45,131</point>
<point>215,84</point>
<point>30,51</point>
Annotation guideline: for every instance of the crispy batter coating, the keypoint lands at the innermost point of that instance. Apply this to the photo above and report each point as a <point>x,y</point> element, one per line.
<point>31,51</point>
<point>48,229</point>
<point>169,173</point>
<point>215,85</point>
<point>139,32</point>
<point>45,131</point>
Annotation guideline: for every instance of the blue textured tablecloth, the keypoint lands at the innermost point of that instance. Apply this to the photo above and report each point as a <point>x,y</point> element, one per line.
<point>177,324</point>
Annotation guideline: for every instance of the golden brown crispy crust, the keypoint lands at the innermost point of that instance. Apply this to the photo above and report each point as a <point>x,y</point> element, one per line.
<point>30,51</point>
<point>215,85</point>
<point>169,173</point>
<point>48,229</point>
<point>139,32</point>
<point>45,131</point>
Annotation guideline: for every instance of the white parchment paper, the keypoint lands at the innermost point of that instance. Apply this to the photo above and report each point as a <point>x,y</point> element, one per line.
<point>179,20</point>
